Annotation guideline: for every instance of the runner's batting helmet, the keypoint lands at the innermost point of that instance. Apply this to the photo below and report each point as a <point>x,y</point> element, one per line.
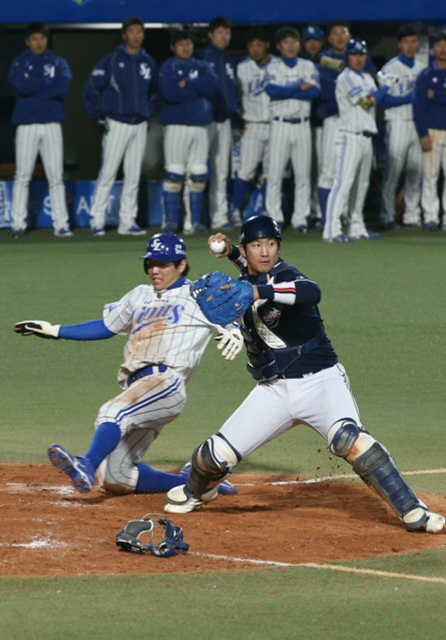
<point>165,247</point>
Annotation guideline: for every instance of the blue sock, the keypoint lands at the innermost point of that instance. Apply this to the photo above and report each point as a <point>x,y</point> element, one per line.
<point>241,188</point>
<point>105,440</point>
<point>323,199</point>
<point>172,206</point>
<point>155,481</point>
<point>196,205</point>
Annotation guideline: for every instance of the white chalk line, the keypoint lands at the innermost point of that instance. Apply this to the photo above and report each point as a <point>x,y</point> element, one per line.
<point>342,476</point>
<point>323,567</point>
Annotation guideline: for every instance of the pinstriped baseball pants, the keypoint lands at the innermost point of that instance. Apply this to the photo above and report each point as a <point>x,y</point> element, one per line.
<point>141,411</point>
<point>289,141</point>
<point>220,144</point>
<point>122,141</point>
<point>403,153</point>
<point>433,162</point>
<point>30,140</point>
<point>254,149</point>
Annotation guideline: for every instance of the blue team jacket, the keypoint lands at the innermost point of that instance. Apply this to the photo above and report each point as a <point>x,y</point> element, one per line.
<point>190,105</point>
<point>429,100</point>
<point>225,101</point>
<point>41,82</point>
<point>123,86</point>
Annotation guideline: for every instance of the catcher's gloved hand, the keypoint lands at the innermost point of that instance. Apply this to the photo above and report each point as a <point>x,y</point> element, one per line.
<point>221,298</point>
<point>39,328</point>
<point>230,342</point>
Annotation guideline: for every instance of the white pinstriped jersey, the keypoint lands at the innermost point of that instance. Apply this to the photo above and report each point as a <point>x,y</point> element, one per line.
<point>255,101</point>
<point>165,327</point>
<point>405,86</point>
<point>281,74</point>
<point>351,87</point>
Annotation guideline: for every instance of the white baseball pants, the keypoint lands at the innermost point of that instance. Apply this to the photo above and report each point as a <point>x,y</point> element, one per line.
<point>330,129</point>
<point>186,149</point>
<point>289,141</point>
<point>141,412</point>
<point>47,140</point>
<point>317,400</point>
<point>122,141</point>
<point>354,154</point>
<point>433,161</point>
<point>403,153</point>
<point>254,149</point>
<point>220,144</point>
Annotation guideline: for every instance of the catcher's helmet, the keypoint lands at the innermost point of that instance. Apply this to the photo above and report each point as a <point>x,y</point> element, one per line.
<point>356,47</point>
<point>259,227</point>
<point>165,247</point>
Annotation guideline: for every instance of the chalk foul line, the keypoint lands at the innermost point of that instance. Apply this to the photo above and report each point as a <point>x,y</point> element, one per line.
<point>322,567</point>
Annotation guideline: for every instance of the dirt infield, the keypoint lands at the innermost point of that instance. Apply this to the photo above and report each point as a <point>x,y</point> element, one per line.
<point>47,529</point>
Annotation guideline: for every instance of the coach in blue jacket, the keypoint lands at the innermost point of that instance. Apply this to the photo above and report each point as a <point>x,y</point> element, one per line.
<point>122,89</point>
<point>41,80</point>
<point>225,105</point>
<point>429,112</point>
<point>187,86</point>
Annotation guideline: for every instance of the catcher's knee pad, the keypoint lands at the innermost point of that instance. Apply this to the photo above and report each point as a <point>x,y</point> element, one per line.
<point>211,462</point>
<point>173,182</point>
<point>198,182</point>
<point>347,440</point>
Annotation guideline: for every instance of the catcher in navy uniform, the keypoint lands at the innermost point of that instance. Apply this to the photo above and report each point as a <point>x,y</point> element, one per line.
<point>300,381</point>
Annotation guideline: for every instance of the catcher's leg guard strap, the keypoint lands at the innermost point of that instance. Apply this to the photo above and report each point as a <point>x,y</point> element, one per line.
<point>211,462</point>
<point>373,463</point>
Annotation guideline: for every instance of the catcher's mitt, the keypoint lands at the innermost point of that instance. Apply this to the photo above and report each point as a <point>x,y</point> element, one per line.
<point>221,298</point>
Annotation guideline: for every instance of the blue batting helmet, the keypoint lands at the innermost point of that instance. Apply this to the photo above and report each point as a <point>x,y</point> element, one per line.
<point>313,31</point>
<point>166,247</point>
<point>356,47</point>
<point>259,227</point>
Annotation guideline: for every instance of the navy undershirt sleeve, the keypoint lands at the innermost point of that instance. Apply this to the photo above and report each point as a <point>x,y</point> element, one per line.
<point>91,330</point>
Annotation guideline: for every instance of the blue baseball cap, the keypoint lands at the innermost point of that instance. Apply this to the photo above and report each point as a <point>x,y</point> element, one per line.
<point>166,247</point>
<point>356,47</point>
<point>313,31</point>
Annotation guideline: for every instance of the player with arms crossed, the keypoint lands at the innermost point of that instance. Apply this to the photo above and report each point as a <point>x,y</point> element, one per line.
<point>402,142</point>
<point>225,105</point>
<point>357,96</point>
<point>300,381</point>
<point>429,111</point>
<point>252,74</point>
<point>167,335</point>
<point>186,87</point>
<point>41,80</point>
<point>292,83</point>
<point>124,83</point>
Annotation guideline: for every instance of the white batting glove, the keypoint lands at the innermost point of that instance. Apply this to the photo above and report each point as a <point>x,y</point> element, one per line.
<point>386,78</point>
<point>40,328</point>
<point>230,342</point>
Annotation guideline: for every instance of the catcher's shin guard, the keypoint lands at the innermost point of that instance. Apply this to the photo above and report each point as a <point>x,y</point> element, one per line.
<point>377,468</point>
<point>212,461</point>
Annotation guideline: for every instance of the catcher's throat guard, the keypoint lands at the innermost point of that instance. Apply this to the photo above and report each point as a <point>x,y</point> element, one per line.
<point>164,538</point>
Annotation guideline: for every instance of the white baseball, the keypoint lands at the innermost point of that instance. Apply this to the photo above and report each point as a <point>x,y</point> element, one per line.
<point>217,246</point>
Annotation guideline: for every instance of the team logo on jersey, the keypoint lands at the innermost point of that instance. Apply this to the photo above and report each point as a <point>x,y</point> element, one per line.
<point>229,71</point>
<point>49,70</point>
<point>167,314</point>
<point>269,315</point>
<point>145,71</point>
<point>193,74</point>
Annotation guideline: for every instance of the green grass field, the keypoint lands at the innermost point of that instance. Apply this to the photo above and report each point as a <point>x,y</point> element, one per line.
<point>384,309</point>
